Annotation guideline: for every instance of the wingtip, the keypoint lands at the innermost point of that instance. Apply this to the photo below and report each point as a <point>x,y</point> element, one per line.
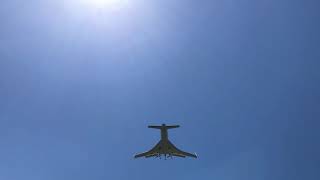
<point>196,155</point>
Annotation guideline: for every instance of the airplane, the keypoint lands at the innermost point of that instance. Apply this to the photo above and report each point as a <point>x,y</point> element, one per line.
<point>164,146</point>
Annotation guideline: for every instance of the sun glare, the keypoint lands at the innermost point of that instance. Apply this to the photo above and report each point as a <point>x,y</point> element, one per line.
<point>103,3</point>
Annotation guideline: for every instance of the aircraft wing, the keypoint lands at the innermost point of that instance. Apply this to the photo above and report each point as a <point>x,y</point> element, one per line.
<point>150,153</point>
<point>179,153</point>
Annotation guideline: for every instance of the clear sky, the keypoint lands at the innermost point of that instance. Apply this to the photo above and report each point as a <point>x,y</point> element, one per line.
<point>80,82</point>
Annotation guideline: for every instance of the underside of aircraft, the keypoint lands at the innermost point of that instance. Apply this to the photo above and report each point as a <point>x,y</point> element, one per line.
<point>164,147</point>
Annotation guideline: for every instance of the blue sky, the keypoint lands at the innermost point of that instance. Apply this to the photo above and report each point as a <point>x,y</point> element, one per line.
<point>79,84</point>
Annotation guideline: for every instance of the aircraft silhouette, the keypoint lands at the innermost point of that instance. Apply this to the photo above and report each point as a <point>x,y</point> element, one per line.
<point>164,146</point>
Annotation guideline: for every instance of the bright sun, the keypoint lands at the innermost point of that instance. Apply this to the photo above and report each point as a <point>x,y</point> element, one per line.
<point>103,3</point>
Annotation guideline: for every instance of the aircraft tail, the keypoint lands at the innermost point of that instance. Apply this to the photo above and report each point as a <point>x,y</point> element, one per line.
<point>171,127</point>
<point>164,127</point>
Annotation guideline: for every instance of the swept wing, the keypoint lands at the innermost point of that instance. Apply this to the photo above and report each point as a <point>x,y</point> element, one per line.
<point>177,152</point>
<point>150,153</point>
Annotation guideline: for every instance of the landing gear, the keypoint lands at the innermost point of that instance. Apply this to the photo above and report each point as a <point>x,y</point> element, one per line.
<point>166,156</point>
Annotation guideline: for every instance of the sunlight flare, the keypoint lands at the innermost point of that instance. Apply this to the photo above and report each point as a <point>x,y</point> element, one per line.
<point>104,4</point>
